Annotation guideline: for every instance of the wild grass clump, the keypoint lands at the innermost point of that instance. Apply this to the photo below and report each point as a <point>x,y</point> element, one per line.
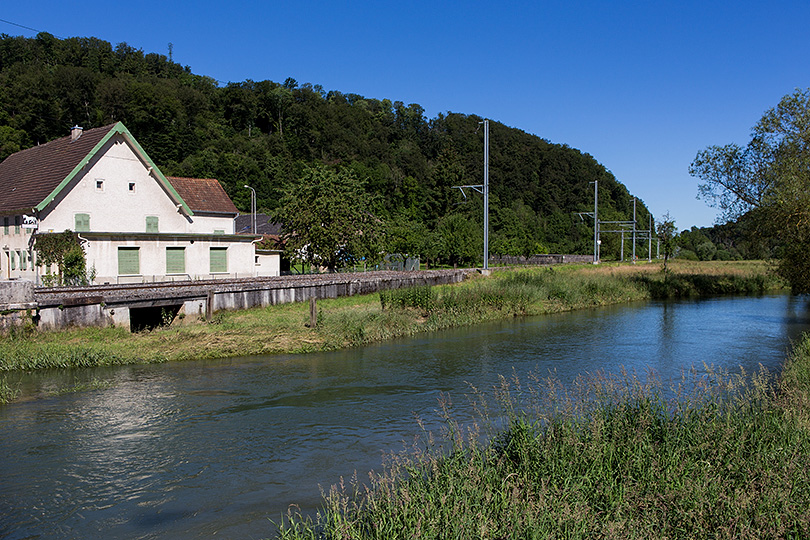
<point>795,383</point>
<point>511,293</point>
<point>343,328</point>
<point>76,348</point>
<point>7,392</point>
<point>715,456</point>
<point>420,297</point>
<point>673,285</point>
<point>54,356</point>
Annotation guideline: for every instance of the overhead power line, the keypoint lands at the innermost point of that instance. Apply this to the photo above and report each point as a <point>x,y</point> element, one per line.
<point>171,45</point>
<point>26,27</point>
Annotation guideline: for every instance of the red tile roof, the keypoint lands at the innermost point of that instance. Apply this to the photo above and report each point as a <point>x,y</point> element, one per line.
<point>203,195</point>
<point>29,176</point>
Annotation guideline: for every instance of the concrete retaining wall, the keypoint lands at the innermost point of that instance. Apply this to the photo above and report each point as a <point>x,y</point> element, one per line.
<point>16,294</point>
<point>511,260</point>
<point>100,306</point>
<point>17,304</point>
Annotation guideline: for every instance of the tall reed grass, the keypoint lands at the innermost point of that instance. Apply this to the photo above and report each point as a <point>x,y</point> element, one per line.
<point>670,285</point>
<point>611,456</point>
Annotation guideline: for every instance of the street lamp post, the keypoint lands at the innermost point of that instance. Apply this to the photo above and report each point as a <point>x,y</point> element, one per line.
<point>252,208</point>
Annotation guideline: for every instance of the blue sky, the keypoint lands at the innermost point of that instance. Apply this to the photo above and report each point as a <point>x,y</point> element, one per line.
<point>641,86</point>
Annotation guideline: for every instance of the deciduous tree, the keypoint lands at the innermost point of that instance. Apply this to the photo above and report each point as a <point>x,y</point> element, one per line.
<point>666,234</point>
<point>65,251</point>
<point>771,178</point>
<point>329,220</point>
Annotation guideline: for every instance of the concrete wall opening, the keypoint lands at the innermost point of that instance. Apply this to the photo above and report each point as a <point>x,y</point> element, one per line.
<point>149,318</point>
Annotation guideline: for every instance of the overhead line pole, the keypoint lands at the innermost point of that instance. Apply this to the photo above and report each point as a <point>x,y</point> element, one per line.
<point>486,195</point>
<point>484,190</point>
<point>595,222</point>
<point>634,230</point>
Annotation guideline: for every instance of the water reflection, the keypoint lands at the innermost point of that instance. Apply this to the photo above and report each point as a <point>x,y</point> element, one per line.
<point>202,448</point>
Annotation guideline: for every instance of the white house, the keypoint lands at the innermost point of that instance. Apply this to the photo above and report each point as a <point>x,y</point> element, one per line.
<point>135,224</point>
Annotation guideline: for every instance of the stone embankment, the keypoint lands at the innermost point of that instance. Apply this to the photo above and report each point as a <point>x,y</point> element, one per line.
<point>538,260</point>
<point>122,305</point>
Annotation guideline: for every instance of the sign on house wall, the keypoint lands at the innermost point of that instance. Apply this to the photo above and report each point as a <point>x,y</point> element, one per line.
<point>30,222</point>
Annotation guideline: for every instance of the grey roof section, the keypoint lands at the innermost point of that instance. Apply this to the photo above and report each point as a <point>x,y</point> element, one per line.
<point>263,225</point>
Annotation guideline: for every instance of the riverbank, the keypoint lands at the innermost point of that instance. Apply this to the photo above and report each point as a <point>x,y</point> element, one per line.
<point>609,457</point>
<point>359,320</point>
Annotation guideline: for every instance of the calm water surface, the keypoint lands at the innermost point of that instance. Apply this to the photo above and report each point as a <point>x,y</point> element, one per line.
<point>202,449</point>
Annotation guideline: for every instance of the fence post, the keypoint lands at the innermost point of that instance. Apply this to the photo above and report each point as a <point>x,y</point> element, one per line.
<point>209,305</point>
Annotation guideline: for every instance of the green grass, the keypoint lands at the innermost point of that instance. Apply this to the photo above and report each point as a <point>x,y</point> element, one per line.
<point>359,320</point>
<point>609,457</point>
<point>7,392</point>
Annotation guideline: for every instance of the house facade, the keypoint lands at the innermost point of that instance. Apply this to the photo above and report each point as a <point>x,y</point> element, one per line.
<point>135,224</point>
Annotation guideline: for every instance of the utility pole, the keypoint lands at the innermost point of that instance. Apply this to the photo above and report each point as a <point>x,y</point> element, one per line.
<point>486,195</point>
<point>649,240</point>
<point>484,190</point>
<point>595,222</point>
<point>634,230</point>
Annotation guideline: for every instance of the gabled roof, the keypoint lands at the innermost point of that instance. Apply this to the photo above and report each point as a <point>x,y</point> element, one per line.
<point>203,195</point>
<point>32,178</point>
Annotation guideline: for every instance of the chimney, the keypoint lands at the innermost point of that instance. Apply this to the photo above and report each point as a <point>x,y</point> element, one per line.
<point>75,133</point>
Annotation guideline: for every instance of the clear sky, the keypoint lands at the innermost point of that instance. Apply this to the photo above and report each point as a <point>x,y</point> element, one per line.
<point>641,86</point>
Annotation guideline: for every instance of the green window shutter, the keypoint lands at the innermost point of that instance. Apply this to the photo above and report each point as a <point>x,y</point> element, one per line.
<point>129,262</point>
<point>81,222</point>
<point>175,260</point>
<point>219,231</point>
<point>13,260</point>
<point>151,224</point>
<point>23,265</point>
<point>219,260</point>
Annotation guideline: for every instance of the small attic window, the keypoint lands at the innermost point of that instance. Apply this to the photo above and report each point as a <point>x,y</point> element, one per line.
<point>132,187</point>
<point>99,185</point>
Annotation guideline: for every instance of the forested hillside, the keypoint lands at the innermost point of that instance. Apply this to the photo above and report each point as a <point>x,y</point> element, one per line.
<point>265,133</point>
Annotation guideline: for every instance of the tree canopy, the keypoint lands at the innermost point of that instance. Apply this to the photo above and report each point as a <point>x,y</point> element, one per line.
<point>268,134</point>
<point>329,220</point>
<point>65,251</point>
<point>768,182</point>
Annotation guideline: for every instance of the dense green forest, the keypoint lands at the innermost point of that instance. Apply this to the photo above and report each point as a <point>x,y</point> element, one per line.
<point>267,133</point>
<point>735,240</point>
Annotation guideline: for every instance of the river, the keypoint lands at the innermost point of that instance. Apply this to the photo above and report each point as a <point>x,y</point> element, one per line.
<point>219,448</point>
